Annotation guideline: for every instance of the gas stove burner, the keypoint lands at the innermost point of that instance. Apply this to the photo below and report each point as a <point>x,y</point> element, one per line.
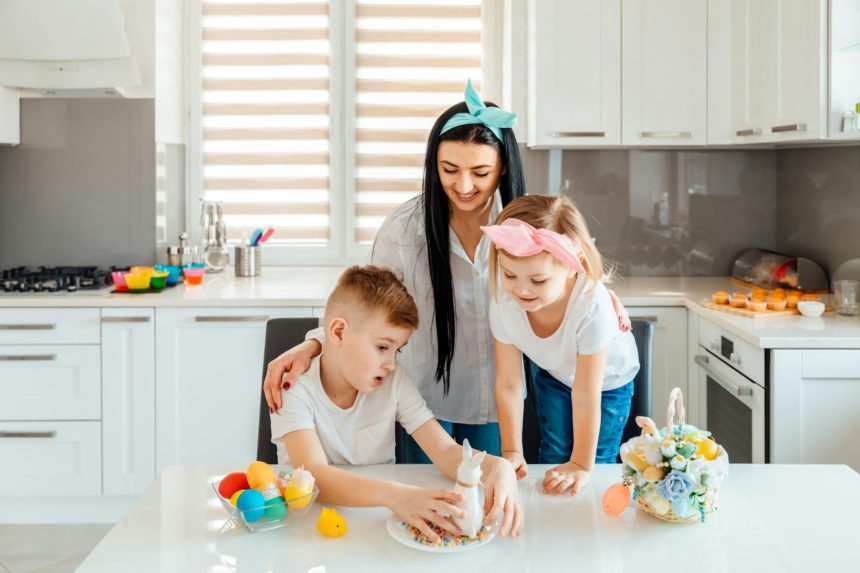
<point>56,279</point>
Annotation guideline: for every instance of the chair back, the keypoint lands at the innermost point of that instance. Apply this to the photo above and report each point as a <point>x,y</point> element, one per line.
<point>281,334</point>
<point>643,334</point>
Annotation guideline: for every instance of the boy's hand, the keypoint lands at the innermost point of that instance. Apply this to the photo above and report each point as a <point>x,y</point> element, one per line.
<point>518,462</point>
<point>294,362</point>
<point>502,494</point>
<point>418,506</point>
<point>567,476</point>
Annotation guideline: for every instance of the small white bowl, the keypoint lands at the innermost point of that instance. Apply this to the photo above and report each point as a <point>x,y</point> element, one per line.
<point>810,307</point>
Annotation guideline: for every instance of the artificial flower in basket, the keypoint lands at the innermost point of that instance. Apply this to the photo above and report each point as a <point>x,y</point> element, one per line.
<point>675,472</point>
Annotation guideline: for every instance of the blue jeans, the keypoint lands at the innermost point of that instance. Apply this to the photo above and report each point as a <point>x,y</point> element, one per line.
<point>484,437</point>
<point>553,404</point>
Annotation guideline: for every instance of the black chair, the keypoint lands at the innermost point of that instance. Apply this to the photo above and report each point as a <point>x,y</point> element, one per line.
<point>643,333</point>
<point>281,334</point>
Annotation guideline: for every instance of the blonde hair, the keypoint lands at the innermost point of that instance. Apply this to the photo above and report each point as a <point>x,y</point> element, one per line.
<point>374,289</point>
<point>557,214</point>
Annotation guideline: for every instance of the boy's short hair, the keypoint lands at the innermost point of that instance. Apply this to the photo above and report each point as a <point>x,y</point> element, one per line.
<point>374,288</point>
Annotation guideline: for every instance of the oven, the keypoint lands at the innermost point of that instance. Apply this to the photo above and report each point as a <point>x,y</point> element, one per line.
<point>731,392</point>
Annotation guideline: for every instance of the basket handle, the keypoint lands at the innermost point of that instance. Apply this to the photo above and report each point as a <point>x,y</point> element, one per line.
<point>676,406</point>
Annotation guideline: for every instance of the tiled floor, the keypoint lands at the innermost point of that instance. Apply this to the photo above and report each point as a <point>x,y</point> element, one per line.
<point>47,548</point>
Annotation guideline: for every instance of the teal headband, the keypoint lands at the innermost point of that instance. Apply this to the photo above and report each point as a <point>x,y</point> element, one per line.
<point>493,117</point>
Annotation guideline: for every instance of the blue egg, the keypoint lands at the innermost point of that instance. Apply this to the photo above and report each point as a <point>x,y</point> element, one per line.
<point>252,505</point>
<point>276,509</point>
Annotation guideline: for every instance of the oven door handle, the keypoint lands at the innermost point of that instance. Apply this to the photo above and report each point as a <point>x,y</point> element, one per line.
<point>703,363</point>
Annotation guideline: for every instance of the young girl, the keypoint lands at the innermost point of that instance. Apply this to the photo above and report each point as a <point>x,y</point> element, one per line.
<point>554,309</point>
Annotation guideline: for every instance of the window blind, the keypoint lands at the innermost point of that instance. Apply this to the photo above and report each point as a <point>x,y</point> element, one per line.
<point>265,116</point>
<point>412,60</point>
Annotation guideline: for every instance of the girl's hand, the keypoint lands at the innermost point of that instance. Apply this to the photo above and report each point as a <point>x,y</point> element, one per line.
<point>518,461</point>
<point>502,494</point>
<point>623,318</point>
<point>418,506</point>
<point>294,362</point>
<point>567,476</point>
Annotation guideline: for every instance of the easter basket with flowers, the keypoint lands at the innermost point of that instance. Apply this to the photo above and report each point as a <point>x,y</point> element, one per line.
<point>675,471</point>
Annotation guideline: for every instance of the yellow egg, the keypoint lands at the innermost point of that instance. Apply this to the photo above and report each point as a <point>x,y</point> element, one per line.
<point>293,492</point>
<point>235,497</point>
<point>259,473</point>
<point>707,448</point>
<point>653,473</point>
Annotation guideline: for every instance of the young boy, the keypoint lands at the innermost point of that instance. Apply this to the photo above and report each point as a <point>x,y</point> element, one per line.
<point>343,411</point>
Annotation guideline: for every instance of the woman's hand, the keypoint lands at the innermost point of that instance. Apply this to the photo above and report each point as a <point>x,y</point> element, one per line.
<point>419,506</point>
<point>502,494</point>
<point>283,371</point>
<point>518,461</point>
<point>567,476</point>
<point>623,318</point>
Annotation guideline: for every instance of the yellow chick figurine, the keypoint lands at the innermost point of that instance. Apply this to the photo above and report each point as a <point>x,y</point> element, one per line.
<point>331,523</point>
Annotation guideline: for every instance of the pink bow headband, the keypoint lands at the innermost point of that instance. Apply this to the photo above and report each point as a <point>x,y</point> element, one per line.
<point>522,240</point>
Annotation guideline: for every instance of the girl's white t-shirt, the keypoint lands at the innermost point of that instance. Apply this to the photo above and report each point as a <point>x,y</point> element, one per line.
<point>590,325</point>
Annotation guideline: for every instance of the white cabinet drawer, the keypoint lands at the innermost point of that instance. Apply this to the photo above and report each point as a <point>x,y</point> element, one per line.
<point>49,326</point>
<point>50,382</point>
<point>50,458</point>
<point>831,364</point>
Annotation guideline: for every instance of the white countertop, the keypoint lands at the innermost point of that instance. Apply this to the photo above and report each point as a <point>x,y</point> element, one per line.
<point>309,287</point>
<point>770,518</point>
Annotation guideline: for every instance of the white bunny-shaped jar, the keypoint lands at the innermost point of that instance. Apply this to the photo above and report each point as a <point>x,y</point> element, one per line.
<point>468,482</point>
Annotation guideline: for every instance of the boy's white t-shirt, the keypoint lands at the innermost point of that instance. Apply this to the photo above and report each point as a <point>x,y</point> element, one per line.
<point>362,434</point>
<point>590,325</point>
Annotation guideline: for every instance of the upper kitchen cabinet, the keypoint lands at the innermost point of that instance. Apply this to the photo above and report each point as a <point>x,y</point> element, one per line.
<point>664,72</point>
<point>10,116</point>
<point>574,73</point>
<point>778,69</point>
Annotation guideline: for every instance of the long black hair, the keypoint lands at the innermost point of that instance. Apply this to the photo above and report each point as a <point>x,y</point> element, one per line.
<point>437,217</point>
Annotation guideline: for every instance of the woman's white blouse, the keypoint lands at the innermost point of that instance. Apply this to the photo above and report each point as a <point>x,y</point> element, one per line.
<point>401,245</point>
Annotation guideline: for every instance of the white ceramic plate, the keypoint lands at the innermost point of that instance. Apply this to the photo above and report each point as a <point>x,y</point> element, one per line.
<point>398,529</point>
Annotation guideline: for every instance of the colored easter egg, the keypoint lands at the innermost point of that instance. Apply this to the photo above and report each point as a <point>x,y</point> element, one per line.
<point>235,497</point>
<point>232,483</point>
<point>251,504</point>
<point>616,498</point>
<point>260,473</point>
<point>269,490</point>
<point>653,474</point>
<point>276,509</point>
<point>708,448</point>
<point>293,492</point>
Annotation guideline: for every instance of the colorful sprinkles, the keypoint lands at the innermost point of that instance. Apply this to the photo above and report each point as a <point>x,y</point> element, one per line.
<point>445,537</point>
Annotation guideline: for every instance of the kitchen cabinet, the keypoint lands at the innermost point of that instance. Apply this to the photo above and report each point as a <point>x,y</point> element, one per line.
<point>664,72</point>
<point>778,69</point>
<point>128,395</point>
<point>813,402</point>
<point>10,116</point>
<point>574,73</point>
<point>669,354</point>
<point>210,365</point>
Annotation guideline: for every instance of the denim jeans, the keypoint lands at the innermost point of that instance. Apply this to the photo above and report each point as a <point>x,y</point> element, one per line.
<point>484,437</point>
<point>553,404</point>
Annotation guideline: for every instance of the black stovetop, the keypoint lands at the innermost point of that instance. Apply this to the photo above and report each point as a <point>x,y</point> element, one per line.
<point>56,279</point>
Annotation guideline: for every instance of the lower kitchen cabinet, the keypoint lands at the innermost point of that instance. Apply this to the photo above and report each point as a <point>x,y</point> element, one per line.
<point>209,377</point>
<point>813,405</point>
<point>128,395</point>
<point>669,354</point>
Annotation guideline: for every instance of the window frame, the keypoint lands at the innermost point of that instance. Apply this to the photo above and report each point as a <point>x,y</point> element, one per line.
<point>342,249</point>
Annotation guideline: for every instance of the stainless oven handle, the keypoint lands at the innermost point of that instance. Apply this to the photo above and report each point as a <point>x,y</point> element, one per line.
<point>703,363</point>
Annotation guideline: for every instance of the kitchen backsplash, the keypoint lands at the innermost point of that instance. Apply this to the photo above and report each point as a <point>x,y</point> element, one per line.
<point>80,188</point>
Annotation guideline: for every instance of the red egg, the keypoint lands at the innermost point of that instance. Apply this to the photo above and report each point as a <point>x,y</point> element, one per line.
<point>232,483</point>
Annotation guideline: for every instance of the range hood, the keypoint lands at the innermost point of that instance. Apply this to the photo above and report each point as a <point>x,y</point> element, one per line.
<point>65,47</point>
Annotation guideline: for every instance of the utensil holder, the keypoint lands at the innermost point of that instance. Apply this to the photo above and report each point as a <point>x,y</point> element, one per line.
<point>248,261</point>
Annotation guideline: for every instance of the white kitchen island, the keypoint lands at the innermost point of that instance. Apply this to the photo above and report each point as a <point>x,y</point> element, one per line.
<point>770,518</point>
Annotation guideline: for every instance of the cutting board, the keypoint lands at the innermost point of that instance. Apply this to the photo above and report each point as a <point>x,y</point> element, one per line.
<point>749,313</point>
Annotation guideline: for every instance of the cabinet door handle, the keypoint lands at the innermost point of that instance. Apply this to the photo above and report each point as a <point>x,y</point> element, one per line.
<point>120,319</point>
<point>51,434</point>
<point>558,134</point>
<point>28,326</point>
<point>665,134</point>
<point>252,318</point>
<point>752,131</point>
<point>27,357</point>
<point>790,127</point>
<point>703,363</point>
<point>645,318</point>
